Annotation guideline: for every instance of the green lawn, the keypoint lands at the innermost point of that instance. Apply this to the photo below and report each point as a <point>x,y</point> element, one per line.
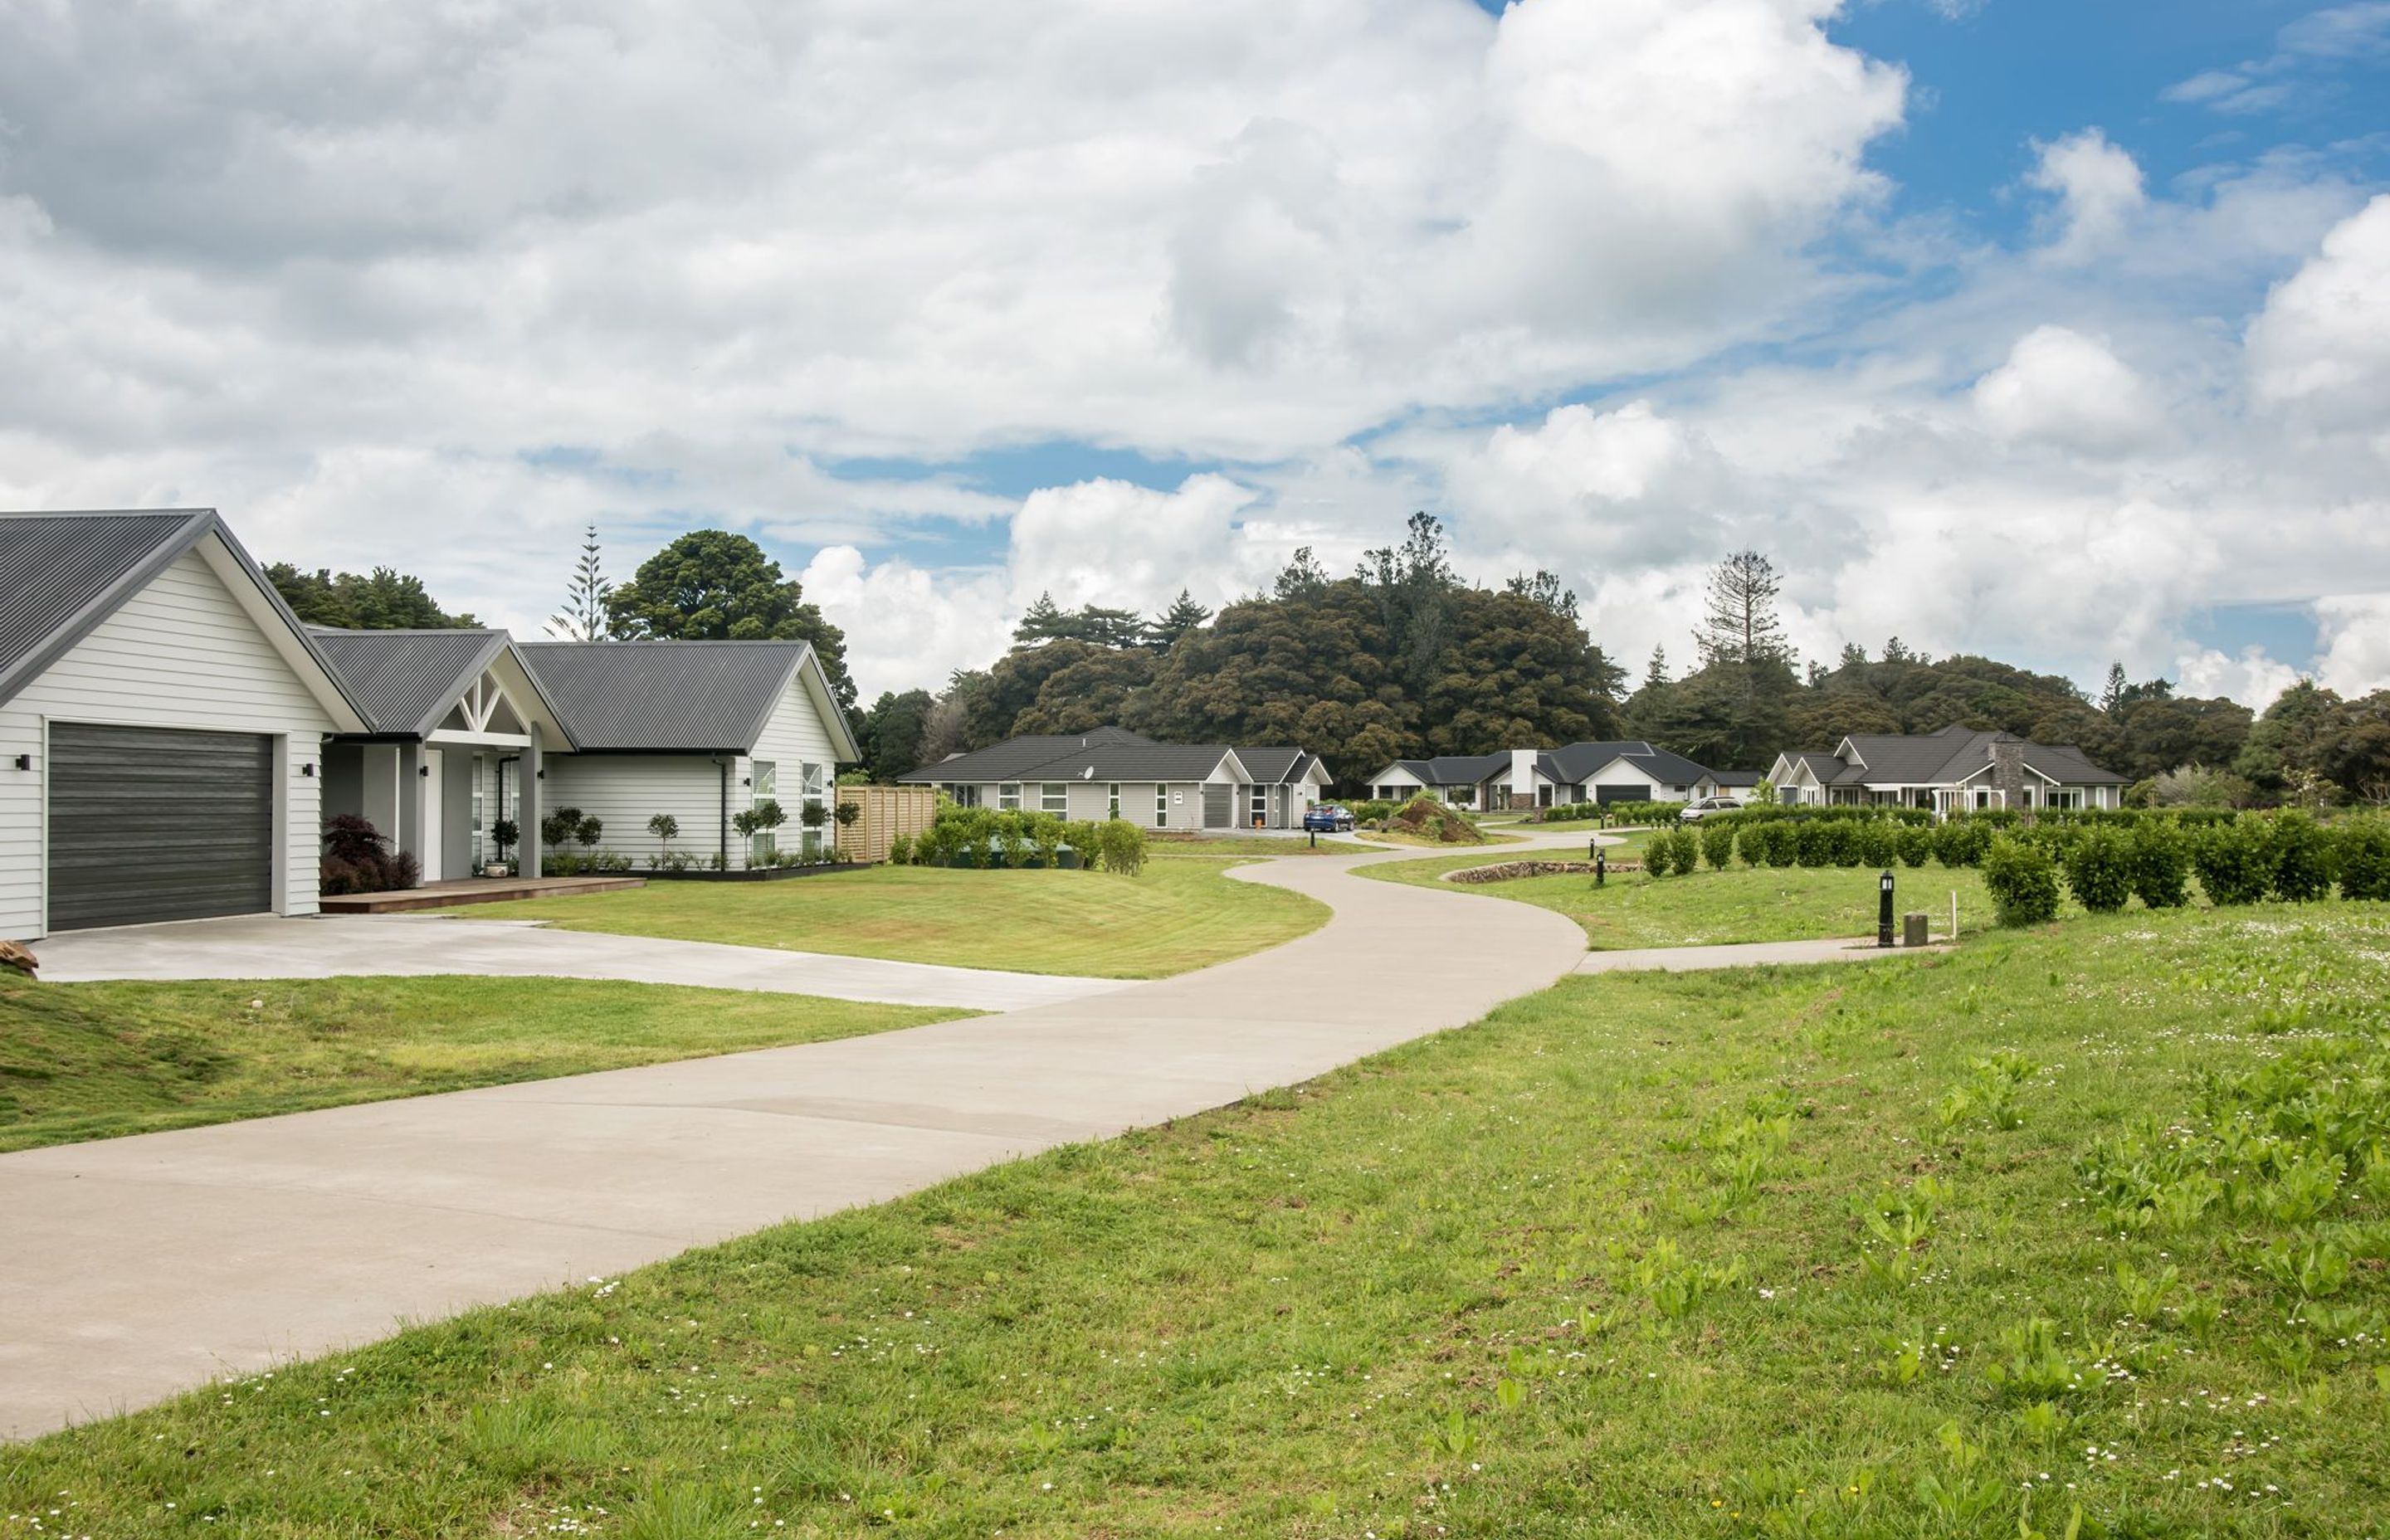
<point>1182,912</point>
<point>94,1061</point>
<point>1944,1246</point>
<point>1714,908</point>
<point>1217,845</point>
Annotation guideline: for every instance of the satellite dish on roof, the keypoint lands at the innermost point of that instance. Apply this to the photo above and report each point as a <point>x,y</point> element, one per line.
<point>1088,774</point>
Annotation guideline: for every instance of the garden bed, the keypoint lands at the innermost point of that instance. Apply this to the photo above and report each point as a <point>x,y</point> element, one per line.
<point>1510,872</point>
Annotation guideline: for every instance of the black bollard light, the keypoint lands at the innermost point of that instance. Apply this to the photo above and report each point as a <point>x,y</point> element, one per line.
<point>1600,867</point>
<point>1884,909</point>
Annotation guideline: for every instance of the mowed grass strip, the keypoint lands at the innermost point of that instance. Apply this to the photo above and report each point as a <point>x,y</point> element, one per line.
<point>1181,912</point>
<point>1615,1261</point>
<point>1718,909</point>
<point>94,1061</point>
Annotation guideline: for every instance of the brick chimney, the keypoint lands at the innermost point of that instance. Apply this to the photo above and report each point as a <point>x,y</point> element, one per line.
<point>2008,771</point>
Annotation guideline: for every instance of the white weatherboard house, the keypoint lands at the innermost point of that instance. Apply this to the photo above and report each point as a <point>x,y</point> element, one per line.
<point>1956,770</point>
<point>700,730</point>
<point>467,727</point>
<point>1112,773</point>
<point>171,738</point>
<point>1629,770</point>
<point>163,717</point>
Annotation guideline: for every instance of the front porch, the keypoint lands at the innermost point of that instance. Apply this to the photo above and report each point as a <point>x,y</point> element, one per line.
<point>474,890</point>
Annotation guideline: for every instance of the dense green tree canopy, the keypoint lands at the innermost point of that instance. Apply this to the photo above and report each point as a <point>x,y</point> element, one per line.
<point>714,585</point>
<point>890,733</point>
<point>380,600</point>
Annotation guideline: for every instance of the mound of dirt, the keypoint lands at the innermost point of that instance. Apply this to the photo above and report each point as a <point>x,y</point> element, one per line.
<point>1425,819</point>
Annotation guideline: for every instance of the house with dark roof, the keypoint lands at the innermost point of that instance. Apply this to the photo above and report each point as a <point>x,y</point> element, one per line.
<point>171,738</point>
<point>1957,769</point>
<point>624,731</point>
<point>1629,770</point>
<point>1112,773</point>
<point>163,717</point>
<point>700,730</point>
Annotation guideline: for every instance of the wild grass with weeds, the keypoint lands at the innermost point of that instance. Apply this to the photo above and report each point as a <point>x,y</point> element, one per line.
<point>1477,1286</point>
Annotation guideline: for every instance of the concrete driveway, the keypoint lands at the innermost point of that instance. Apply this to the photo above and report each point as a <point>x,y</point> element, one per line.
<point>328,946</point>
<point>139,1267</point>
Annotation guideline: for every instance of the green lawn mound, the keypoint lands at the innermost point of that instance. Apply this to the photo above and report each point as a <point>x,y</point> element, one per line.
<point>1179,913</point>
<point>2092,1217</point>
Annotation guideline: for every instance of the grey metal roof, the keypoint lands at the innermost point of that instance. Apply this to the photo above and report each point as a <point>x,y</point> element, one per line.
<point>61,575</point>
<point>1456,769</point>
<point>1737,777</point>
<point>1577,760</point>
<point>1009,759</point>
<point>1099,754</point>
<point>1580,761</point>
<point>1129,762</point>
<point>690,697</point>
<point>406,681</point>
<point>1947,757</point>
<point>1276,763</point>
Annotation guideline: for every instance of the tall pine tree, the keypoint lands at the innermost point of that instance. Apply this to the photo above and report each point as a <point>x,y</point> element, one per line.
<point>582,619</point>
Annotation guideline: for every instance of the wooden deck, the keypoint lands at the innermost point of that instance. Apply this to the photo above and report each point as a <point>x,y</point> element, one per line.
<point>474,890</point>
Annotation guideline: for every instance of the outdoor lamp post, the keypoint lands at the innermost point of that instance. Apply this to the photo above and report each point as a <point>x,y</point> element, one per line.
<point>1884,909</point>
<point>1600,867</point>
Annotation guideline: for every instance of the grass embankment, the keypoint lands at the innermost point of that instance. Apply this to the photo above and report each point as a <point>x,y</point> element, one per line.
<point>94,1061</point>
<point>1718,908</point>
<point>1917,1250</point>
<point>1182,912</point>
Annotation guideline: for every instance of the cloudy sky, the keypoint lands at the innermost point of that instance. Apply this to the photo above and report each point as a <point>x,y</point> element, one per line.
<point>2050,330</point>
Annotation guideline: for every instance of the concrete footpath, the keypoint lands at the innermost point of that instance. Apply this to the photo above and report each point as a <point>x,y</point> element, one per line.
<point>138,1268</point>
<point>333,946</point>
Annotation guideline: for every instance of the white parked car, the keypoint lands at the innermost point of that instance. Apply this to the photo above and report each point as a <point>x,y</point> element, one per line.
<point>1701,808</point>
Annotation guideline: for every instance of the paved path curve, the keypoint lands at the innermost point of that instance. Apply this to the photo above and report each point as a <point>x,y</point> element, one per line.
<point>138,1268</point>
<point>333,946</point>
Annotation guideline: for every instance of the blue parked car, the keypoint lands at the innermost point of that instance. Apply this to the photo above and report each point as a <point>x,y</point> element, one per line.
<point>1326,819</point>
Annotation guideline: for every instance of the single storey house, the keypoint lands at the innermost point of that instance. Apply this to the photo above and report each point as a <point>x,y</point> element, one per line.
<point>162,721</point>
<point>700,730</point>
<point>1957,769</point>
<point>171,738</point>
<point>468,727</point>
<point>1629,770</point>
<point>1112,773</point>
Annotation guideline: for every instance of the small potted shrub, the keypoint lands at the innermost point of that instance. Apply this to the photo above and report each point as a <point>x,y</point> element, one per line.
<point>504,834</point>
<point>848,816</point>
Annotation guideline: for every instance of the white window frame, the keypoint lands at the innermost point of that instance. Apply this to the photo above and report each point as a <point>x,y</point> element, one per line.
<point>1259,804</point>
<point>1054,797</point>
<point>1161,804</point>
<point>762,785</point>
<point>812,786</point>
<point>1008,796</point>
<point>1112,801</point>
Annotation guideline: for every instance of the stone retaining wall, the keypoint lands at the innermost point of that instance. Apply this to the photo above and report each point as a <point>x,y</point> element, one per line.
<point>1509,871</point>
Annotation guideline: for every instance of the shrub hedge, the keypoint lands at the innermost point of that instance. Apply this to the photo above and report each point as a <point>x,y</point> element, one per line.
<point>2099,869</point>
<point>2022,880</point>
<point>2235,861</point>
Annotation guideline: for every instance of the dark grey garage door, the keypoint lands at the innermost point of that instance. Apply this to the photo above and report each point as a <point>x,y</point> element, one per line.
<point>150,823</point>
<point>1219,806</point>
<point>1622,793</point>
